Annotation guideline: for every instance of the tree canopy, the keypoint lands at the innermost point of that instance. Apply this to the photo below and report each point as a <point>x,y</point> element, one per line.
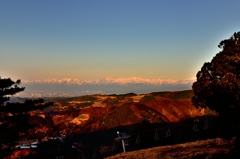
<point>14,117</point>
<point>8,87</point>
<point>218,81</point>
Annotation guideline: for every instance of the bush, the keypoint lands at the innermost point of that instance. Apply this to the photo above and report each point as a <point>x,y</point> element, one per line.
<point>147,98</point>
<point>110,101</point>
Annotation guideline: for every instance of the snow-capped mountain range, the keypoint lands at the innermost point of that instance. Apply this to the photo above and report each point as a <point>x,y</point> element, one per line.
<point>74,87</point>
<point>109,80</point>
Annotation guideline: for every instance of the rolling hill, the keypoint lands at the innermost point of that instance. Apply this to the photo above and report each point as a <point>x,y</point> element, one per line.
<point>93,121</point>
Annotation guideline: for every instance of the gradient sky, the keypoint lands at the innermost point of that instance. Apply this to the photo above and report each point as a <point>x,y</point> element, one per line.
<point>112,38</point>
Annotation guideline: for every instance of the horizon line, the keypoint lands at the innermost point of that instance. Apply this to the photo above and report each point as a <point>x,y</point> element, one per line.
<point>110,80</point>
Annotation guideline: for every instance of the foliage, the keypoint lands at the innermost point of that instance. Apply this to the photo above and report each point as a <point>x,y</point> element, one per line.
<point>82,105</point>
<point>209,112</point>
<point>28,105</point>
<point>14,117</point>
<point>182,94</point>
<point>160,94</point>
<point>174,95</point>
<point>122,96</point>
<point>7,88</point>
<point>84,98</point>
<point>218,81</point>
<point>130,100</point>
<point>147,98</point>
<point>110,101</point>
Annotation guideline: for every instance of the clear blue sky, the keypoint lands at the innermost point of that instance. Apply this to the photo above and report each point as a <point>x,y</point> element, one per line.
<point>94,39</point>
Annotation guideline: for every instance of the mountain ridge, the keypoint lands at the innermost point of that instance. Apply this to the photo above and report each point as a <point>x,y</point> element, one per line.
<point>110,80</point>
<point>75,87</point>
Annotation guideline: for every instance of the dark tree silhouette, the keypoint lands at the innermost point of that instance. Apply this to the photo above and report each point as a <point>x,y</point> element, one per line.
<point>8,87</point>
<point>14,117</point>
<point>218,81</point>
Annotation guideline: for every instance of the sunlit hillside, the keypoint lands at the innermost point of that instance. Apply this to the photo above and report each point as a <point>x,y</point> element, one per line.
<point>93,121</point>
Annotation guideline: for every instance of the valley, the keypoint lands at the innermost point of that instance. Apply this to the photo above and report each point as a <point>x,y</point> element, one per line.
<point>90,124</point>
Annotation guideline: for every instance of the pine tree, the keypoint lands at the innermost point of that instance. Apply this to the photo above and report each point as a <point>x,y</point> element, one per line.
<point>8,87</point>
<point>14,117</point>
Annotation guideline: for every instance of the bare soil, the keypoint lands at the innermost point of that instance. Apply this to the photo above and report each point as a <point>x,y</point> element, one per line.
<point>202,149</point>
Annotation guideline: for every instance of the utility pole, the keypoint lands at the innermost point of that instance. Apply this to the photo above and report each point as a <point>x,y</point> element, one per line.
<point>123,137</point>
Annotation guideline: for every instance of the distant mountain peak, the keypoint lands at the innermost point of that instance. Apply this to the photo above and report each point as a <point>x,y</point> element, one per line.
<point>75,87</point>
<point>110,80</point>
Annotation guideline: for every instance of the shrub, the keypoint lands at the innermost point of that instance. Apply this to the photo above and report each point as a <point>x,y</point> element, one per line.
<point>147,98</point>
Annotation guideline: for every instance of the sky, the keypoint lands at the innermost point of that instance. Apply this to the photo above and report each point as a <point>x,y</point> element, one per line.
<point>95,39</point>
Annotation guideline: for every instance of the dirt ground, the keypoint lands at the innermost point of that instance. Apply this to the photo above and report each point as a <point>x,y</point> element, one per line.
<point>201,149</point>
